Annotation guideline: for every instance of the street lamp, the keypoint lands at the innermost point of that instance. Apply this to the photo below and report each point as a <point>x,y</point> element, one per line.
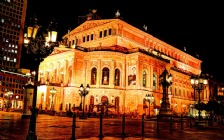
<point>8,95</point>
<point>17,97</point>
<point>83,91</point>
<point>199,82</point>
<point>52,92</point>
<point>165,79</point>
<point>80,106</point>
<point>38,46</point>
<point>149,98</point>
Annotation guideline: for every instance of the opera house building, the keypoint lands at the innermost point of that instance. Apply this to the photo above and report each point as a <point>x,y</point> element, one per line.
<point>122,65</point>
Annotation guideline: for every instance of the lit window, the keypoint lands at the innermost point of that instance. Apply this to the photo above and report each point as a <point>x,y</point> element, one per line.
<point>117,77</point>
<point>144,78</point>
<point>105,76</point>
<point>14,59</point>
<point>93,76</point>
<point>7,58</point>
<point>15,51</point>
<point>2,20</point>
<point>4,58</point>
<point>154,81</point>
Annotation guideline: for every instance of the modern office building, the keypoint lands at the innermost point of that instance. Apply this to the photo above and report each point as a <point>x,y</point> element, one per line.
<point>122,64</point>
<point>12,22</point>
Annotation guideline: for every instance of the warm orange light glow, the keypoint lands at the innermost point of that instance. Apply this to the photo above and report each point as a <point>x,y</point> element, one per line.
<point>32,31</point>
<point>26,41</point>
<point>52,35</point>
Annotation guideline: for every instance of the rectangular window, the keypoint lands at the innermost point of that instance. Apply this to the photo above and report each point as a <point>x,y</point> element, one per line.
<point>105,33</point>
<point>84,39</point>
<point>110,32</point>
<point>101,34</point>
<point>73,41</point>
<point>154,81</point>
<point>87,37</point>
<point>91,36</point>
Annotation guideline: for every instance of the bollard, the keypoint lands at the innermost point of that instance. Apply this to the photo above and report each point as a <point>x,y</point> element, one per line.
<point>143,124</point>
<point>181,120</point>
<point>73,126</point>
<point>157,123</point>
<point>101,126</point>
<point>123,125</point>
<point>190,121</point>
<point>171,124</point>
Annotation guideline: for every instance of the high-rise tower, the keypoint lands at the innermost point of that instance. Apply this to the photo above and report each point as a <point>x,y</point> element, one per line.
<point>13,13</point>
<point>12,22</point>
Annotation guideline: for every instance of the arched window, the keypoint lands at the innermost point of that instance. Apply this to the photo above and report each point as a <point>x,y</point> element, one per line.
<point>154,81</point>
<point>144,78</point>
<point>105,76</point>
<point>93,76</point>
<point>117,77</point>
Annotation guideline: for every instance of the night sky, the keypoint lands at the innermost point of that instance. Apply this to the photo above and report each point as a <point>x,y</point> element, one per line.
<point>197,26</point>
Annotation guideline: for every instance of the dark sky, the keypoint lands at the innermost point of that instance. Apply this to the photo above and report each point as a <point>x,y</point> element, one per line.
<point>198,26</point>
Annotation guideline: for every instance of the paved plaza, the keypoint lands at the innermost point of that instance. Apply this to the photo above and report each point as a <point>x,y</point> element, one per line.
<point>12,127</point>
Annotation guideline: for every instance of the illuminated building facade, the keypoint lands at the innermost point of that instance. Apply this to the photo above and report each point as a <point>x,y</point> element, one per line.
<point>121,64</point>
<point>14,83</point>
<point>12,21</point>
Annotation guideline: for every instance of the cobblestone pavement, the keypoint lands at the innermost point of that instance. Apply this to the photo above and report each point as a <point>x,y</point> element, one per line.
<point>12,127</point>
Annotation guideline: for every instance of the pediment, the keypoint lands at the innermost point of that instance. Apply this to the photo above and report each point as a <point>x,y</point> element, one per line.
<point>59,50</point>
<point>91,24</point>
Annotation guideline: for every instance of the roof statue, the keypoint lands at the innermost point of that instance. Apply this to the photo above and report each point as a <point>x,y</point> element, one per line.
<point>145,27</point>
<point>117,14</point>
<point>90,16</point>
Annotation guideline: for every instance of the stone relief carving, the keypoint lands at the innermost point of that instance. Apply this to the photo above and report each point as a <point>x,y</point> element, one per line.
<point>90,25</point>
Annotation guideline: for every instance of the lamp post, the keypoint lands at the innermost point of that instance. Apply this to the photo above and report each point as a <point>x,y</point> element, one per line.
<point>83,91</point>
<point>199,83</point>
<point>149,98</point>
<point>17,98</point>
<point>165,80</point>
<point>8,95</point>
<point>80,106</point>
<point>38,46</point>
<point>52,92</point>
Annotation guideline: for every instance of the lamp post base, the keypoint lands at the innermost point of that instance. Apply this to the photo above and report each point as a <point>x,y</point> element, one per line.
<point>26,116</point>
<point>165,108</point>
<point>31,136</point>
<point>165,112</point>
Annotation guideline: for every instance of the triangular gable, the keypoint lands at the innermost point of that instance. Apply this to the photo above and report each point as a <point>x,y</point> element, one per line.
<point>60,50</point>
<point>89,24</point>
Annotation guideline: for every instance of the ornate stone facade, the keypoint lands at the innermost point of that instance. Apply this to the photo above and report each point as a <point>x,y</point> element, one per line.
<point>103,53</point>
